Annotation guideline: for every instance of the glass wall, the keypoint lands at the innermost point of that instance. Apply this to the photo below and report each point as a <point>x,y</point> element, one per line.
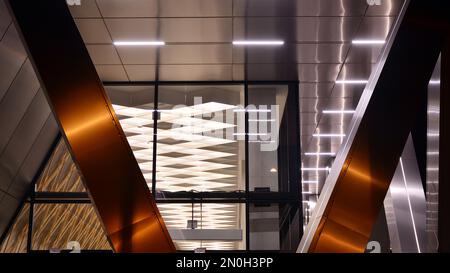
<point>192,143</point>
<point>199,148</point>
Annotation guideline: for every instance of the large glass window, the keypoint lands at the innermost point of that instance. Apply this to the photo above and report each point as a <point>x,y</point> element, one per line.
<point>199,148</point>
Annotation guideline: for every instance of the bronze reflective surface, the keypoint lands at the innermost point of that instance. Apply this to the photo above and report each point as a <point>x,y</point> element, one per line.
<point>90,127</point>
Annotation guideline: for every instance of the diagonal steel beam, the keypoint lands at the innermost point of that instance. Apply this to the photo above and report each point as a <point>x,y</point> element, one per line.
<point>358,182</point>
<point>97,142</point>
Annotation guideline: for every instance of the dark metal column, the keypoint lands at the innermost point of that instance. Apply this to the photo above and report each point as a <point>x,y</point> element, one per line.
<point>90,127</point>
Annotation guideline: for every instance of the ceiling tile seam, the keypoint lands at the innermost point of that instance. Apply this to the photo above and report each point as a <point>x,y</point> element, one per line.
<point>111,38</point>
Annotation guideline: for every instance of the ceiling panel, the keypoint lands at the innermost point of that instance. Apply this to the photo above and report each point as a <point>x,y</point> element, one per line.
<point>111,72</point>
<point>388,8</point>
<point>137,55</point>
<point>195,72</point>
<point>141,72</point>
<point>93,31</point>
<point>364,54</point>
<point>358,71</point>
<point>88,9</point>
<point>197,54</point>
<point>185,30</point>
<point>103,54</point>
<point>326,29</point>
<point>134,29</point>
<point>166,8</point>
<point>318,72</point>
<point>322,53</point>
<point>315,90</point>
<point>299,8</point>
<point>374,28</point>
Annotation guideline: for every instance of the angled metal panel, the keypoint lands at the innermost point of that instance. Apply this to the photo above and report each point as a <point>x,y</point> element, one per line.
<point>359,179</point>
<point>90,127</point>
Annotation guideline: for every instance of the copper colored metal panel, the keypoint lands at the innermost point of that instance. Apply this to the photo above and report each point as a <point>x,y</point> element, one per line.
<point>90,127</point>
<point>358,182</point>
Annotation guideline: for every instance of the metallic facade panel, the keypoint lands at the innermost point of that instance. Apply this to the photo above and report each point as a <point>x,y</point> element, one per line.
<point>93,30</point>
<point>407,197</point>
<point>90,127</point>
<point>12,57</point>
<point>103,54</point>
<point>36,156</point>
<point>16,101</point>
<point>23,138</point>
<point>5,19</point>
<point>8,206</point>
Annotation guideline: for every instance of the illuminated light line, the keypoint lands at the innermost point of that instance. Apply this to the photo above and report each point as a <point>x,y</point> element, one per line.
<point>258,43</point>
<point>338,111</point>
<point>320,154</point>
<point>328,135</point>
<point>310,182</point>
<point>315,169</point>
<point>368,42</point>
<point>253,110</point>
<point>409,204</point>
<point>250,134</point>
<point>352,81</point>
<point>139,43</point>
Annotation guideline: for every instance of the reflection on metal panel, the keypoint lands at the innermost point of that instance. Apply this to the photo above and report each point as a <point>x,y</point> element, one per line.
<point>359,179</point>
<point>90,127</point>
<point>407,203</point>
<point>432,185</point>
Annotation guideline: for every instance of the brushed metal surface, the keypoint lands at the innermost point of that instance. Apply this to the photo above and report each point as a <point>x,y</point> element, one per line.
<point>360,177</point>
<point>407,202</point>
<point>90,127</point>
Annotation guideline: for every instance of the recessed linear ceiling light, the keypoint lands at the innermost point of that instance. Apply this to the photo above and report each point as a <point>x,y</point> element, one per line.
<point>310,182</point>
<point>320,154</point>
<point>368,42</point>
<point>338,111</point>
<point>352,81</point>
<point>259,43</point>
<point>328,135</point>
<point>139,43</point>
<point>316,169</point>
